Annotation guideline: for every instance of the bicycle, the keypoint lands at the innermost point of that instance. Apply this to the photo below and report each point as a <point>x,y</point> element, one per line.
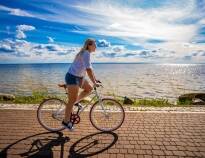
<point>106,114</point>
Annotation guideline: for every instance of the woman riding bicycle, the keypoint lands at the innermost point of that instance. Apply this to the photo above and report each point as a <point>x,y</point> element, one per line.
<point>75,79</point>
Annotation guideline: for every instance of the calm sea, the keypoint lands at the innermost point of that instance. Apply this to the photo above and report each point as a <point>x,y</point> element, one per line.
<point>133,80</point>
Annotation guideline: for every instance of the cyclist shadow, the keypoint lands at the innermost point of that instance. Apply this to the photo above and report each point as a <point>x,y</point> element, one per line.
<point>93,144</point>
<point>40,145</point>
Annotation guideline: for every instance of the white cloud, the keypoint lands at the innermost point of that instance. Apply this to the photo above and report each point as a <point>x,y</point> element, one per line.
<point>182,48</point>
<point>50,39</point>
<point>176,51</point>
<point>121,21</point>
<point>16,11</point>
<point>118,48</point>
<point>18,50</point>
<point>25,27</point>
<point>113,19</point>
<point>103,43</point>
<point>202,21</point>
<point>166,52</point>
<point>20,34</point>
<point>20,29</point>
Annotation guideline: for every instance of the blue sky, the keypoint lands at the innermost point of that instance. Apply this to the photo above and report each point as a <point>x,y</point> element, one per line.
<point>157,31</point>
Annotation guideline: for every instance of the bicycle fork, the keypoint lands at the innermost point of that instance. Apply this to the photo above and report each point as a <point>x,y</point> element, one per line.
<point>101,104</point>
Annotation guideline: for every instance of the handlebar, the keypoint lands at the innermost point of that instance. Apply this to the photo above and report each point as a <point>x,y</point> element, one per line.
<point>98,81</point>
<point>99,85</point>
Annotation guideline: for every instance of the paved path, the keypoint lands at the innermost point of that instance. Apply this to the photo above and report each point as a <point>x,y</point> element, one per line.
<point>142,135</point>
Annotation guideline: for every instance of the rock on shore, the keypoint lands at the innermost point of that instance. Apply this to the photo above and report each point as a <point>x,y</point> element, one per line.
<point>6,97</point>
<point>194,98</point>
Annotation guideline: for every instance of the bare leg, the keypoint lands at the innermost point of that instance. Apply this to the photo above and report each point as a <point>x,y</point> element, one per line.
<point>72,97</point>
<point>87,88</point>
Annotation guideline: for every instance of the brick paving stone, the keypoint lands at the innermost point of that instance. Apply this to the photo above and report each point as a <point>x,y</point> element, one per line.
<point>198,154</point>
<point>203,154</point>
<point>103,155</point>
<point>141,135</point>
<point>145,146</point>
<point>182,148</point>
<point>123,151</point>
<point>130,146</point>
<point>179,153</point>
<point>155,147</point>
<point>140,152</point>
<point>171,147</point>
<point>168,153</point>
<point>120,155</point>
<point>130,151</point>
<point>149,152</point>
<point>130,156</point>
<point>158,152</point>
<point>140,156</point>
<point>189,153</point>
<point>113,155</point>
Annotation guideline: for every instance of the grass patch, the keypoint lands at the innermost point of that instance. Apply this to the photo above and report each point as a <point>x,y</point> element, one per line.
<point>152,102</point>
<point>36,98</point>
<point>157,102</point>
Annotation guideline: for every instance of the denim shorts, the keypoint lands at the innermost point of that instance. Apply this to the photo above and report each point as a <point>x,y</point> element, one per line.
<point>73,80</point>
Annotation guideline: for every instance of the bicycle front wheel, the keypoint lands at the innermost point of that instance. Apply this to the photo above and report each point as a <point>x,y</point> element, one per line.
<point>107,115</point>
<point>50,114</point>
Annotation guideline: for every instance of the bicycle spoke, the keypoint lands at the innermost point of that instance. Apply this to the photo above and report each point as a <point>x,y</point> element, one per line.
<point>51,113</point>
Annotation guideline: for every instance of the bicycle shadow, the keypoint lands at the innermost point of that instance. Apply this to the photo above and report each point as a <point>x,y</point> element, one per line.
<point>37,146</point>
<point>93,144</point>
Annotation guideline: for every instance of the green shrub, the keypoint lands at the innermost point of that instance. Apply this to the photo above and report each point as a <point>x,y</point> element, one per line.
<point>184,102</point>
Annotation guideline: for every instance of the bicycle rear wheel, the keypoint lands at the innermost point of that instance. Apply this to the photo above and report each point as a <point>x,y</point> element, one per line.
<point>107,115</point>
<point>50,114</point>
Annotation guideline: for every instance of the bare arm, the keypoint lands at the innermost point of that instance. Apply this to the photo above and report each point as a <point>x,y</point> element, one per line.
<point>91,75</point>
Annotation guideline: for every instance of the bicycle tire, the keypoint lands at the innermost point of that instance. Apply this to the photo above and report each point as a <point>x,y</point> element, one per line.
<point>122,113</point>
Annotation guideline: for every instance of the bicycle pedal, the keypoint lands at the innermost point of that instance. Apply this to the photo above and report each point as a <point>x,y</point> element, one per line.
<point>79,106</point>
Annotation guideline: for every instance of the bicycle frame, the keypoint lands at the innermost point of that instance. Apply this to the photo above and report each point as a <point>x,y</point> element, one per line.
<point>96,94</point>
<point>99,98</point>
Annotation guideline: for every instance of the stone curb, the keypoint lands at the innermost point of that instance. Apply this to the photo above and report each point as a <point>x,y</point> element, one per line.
<point>126,108</point>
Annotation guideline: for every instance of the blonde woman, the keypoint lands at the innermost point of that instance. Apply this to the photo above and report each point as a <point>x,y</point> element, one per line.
<point>75,79</point>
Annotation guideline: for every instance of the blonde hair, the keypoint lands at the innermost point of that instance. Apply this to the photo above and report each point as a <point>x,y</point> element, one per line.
<point>85,46</point>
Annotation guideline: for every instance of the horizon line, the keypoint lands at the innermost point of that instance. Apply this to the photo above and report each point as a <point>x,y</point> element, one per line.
<point>101,63</point>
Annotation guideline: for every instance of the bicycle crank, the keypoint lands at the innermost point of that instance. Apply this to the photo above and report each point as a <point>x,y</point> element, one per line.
<point>75,118</point>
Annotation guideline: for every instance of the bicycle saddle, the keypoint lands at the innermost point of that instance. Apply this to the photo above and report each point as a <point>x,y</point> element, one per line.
<point>62,85</point>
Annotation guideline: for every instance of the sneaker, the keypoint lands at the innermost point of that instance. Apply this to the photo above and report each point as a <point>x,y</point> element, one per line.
<point>68,125</point>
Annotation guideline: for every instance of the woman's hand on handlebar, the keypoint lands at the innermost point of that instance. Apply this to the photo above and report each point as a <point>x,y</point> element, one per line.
<point>98,83</point>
